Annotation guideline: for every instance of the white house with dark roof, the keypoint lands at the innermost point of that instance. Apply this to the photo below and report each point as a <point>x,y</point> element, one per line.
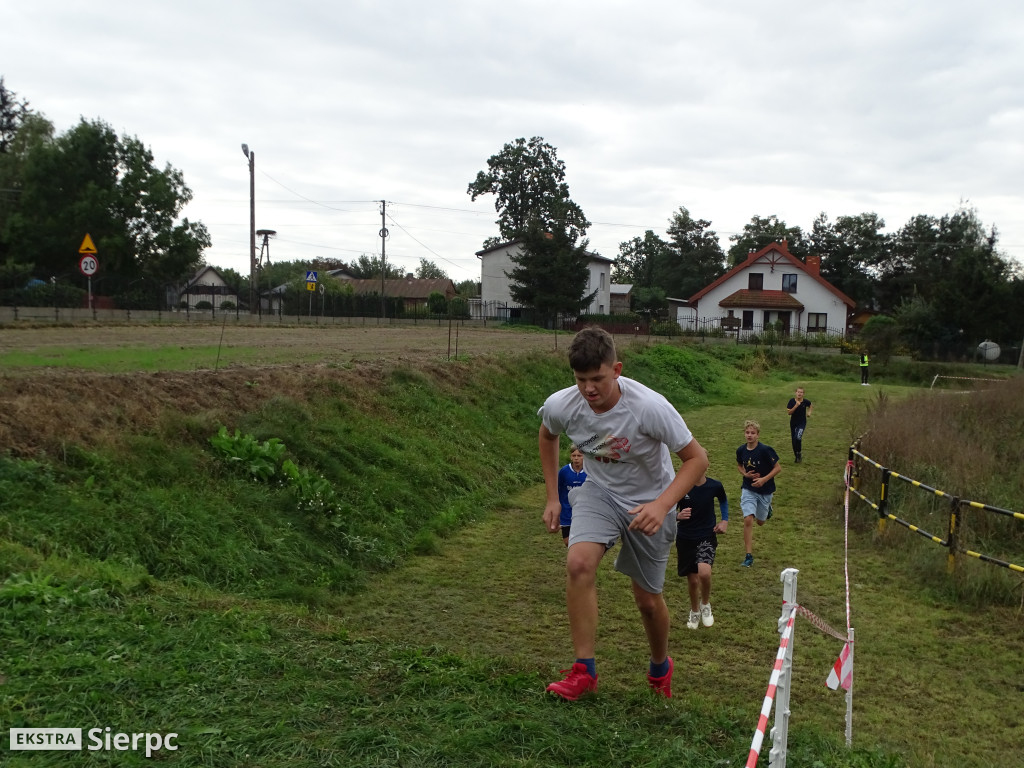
<point>771,286</point>
<point>495,285</point>
<point>207,285</point>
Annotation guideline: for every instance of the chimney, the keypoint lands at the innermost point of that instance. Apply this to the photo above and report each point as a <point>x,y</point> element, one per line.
<point>814,265</point>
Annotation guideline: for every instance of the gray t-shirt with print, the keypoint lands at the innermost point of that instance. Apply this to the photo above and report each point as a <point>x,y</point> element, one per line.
<point>628,449</point>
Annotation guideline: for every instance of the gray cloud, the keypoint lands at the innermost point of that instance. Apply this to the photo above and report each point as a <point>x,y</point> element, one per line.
<point>735,110</point>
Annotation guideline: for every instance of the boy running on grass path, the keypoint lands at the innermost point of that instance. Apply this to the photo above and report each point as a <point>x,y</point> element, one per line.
<point>628,433</point>
<point>759,464</point>
<point>799,409</point>
<point>696,543</point>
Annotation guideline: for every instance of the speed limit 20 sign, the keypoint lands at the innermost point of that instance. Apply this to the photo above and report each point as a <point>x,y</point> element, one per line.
<point>88,264</point>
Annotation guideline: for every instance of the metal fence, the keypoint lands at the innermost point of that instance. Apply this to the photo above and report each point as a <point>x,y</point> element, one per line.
<point>954,525</point>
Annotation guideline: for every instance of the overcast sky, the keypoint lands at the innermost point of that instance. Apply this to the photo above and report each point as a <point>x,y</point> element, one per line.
<point>731,109</point>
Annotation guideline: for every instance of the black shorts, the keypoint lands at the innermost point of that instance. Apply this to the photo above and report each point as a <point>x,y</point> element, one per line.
<point>565,531</point>
<point>694,551</point>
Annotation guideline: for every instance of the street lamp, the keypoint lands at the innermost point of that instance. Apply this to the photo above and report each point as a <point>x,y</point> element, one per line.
<point>253,294</point>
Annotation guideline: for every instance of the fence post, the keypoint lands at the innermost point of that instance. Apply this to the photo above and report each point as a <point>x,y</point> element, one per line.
<point>883,500</point>
<point>780,731</point>
<point>952,535</point>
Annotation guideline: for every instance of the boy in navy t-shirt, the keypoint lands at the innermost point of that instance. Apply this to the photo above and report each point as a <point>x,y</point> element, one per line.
<point>798,408</point>
<point>759,464</point>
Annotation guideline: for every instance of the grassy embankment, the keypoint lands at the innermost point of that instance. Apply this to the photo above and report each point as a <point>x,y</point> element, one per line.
<point>153,586</point>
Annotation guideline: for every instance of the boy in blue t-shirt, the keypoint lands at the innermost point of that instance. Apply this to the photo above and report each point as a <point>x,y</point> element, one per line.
<point>569,476</point>
<point>759,464</point>
<point>697,542</point>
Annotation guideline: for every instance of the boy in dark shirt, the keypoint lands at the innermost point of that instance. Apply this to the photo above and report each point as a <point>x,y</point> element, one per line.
<point>696,543</point>
<point>798,409</point>
<point>759,464</point>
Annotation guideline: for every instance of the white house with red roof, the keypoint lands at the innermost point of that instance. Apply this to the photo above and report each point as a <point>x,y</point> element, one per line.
<point>771,286</point>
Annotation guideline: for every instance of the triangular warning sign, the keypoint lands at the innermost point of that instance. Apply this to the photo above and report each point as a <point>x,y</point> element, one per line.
<point>87,245</point>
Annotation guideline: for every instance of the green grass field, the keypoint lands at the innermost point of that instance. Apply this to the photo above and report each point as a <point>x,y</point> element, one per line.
<point>414,617</point>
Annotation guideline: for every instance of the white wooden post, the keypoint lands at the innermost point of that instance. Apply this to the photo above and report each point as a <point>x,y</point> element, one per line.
<point>780,731</point>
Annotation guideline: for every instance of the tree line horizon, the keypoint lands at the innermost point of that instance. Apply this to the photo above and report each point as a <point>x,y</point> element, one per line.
<point>944,275</point>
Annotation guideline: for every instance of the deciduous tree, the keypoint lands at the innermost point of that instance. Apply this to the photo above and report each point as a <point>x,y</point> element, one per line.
<point>528,182</point>
<point>428,270</point>
<point>696,255</point>
<point>88,180</point>
<point>849,249</point>
<point>369,267</point>
<point>762,231</point>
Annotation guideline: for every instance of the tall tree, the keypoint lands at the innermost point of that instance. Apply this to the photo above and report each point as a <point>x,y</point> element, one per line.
<point>849,249</point>
<point>952,265</point>
<point>90,181</point>
<point>428,270</point>
<point>20,130</point>
<point>640,260</point>
<point>368,268</point>
<point>528,182</point>
<point>696,255</point>
<point>12,114</point>
<point>759,232</point>
<point>551,271</point>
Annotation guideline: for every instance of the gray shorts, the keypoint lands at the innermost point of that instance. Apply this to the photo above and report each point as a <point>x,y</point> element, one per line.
<point>756,504</point>
<point>597,517</point>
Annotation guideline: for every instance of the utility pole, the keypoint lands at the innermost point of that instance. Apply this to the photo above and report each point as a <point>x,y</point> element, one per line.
<point>383,258</point>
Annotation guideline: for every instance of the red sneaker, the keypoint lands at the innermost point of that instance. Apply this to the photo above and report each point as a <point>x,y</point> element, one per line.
<point>663,685</point>
<point>577,682</point>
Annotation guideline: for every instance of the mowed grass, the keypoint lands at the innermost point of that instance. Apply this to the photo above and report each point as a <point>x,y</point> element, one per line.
<point>499,589</point>
<point>443,660</point>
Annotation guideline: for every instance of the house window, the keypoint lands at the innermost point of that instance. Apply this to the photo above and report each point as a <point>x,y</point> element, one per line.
<point>602,281</point>
<point>756,281</point>
<point>748,319</point>
<point>789,283</point>
<point>817,322</point>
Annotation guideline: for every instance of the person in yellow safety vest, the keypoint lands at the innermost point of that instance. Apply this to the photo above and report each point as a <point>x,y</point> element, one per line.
<point>864,368</point>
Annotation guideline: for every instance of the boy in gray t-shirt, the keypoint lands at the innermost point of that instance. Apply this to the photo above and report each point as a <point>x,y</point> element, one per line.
<point>627,433</point>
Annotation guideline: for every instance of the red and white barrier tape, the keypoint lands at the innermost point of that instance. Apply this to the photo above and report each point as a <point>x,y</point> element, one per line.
<point>820,624</point>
